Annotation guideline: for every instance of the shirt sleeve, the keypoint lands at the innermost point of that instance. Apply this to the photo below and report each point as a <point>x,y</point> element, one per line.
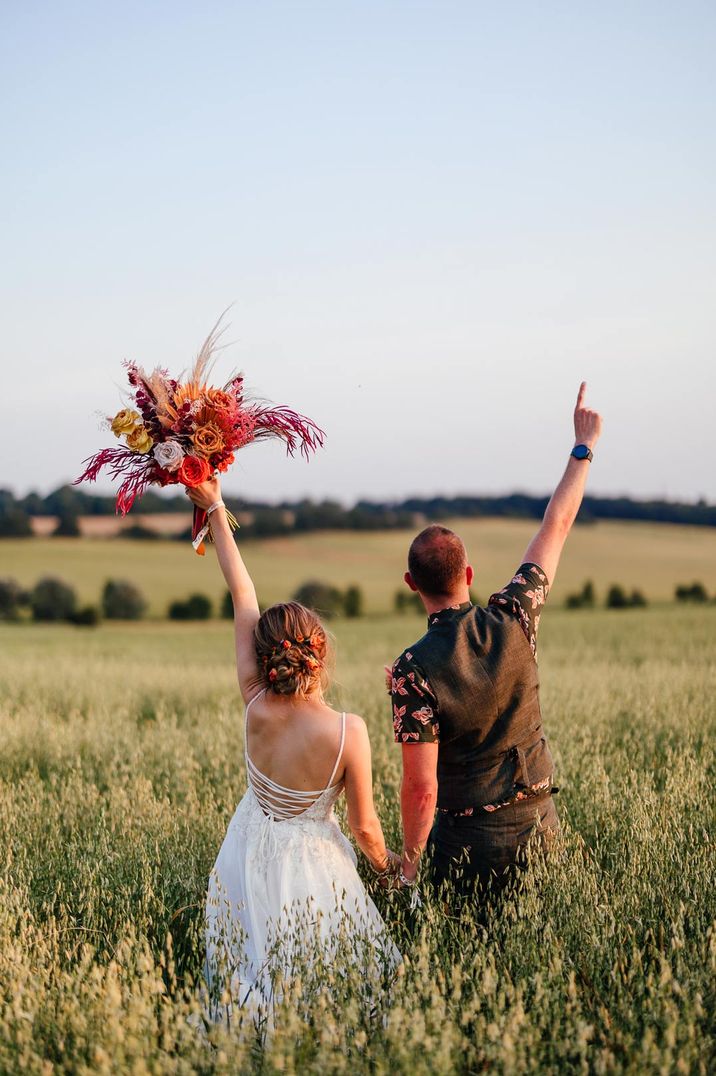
<point>524,597</point>
<point>415,718</point>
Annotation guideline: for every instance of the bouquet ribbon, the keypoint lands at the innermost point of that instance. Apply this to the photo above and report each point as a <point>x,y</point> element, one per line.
<point>201,527</point>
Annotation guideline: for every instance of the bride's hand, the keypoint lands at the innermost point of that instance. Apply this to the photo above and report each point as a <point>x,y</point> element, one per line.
<point>389,879</point>
<point>205,494</point>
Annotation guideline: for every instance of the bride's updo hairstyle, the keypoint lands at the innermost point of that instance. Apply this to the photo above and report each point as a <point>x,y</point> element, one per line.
<point>291,649</point>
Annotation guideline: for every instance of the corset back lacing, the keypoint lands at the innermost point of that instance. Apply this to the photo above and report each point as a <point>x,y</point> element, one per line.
<point>279,803</point>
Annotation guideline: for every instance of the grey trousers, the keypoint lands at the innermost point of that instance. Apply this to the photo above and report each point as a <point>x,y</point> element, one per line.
<point>486,850</point>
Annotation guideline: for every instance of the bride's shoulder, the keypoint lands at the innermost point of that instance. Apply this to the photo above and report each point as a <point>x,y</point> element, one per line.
<point>356,733</point>
<point>355,723</point>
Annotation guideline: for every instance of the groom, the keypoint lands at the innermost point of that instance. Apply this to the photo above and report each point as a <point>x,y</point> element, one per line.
<point>466,700</point>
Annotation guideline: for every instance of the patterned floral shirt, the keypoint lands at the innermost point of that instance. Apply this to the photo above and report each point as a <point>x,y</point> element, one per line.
<point>416,717</point>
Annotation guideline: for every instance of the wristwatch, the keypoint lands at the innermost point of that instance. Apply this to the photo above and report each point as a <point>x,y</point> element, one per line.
<point>582,452</point>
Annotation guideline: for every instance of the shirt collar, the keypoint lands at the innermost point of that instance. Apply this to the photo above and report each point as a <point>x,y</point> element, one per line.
<point>448,613</point>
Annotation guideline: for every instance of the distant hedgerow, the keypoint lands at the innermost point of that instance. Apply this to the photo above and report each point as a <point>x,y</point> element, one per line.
<point>121,600</point>
<point>12,597</point>
<point>694,592</point>
<point>617,598</point>
<point>323,598</point>
<point>196,607</point>
<point>51,599</point>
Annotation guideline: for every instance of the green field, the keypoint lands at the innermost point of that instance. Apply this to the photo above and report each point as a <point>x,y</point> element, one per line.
<point>652,557</point>
<point>121,763</point>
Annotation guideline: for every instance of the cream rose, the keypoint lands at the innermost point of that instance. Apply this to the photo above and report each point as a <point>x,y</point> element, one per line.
<point>139,440</point>
<point>169,455</point>
<point>125,421</point>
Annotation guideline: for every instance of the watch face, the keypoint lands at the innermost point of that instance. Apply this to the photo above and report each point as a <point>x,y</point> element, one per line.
<point>581,452</point>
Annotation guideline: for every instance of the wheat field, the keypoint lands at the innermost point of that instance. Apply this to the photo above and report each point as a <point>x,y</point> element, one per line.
<point>121,764</point>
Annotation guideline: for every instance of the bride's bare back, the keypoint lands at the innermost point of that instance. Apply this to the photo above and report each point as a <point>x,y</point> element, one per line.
<point>295,742</point>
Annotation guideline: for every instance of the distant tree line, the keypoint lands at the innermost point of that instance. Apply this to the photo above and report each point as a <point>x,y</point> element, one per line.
<point>262,520</point>
<point>619,597</point>
<point>51,600</point>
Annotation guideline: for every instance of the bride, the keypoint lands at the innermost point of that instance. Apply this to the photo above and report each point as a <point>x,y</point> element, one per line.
<point>285,876</point>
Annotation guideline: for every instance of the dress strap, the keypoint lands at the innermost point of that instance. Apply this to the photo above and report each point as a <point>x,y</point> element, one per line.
<point>340,749</point>
<point>249,704</point>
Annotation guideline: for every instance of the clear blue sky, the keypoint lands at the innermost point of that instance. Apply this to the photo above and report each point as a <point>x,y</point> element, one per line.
<point>434,219</point>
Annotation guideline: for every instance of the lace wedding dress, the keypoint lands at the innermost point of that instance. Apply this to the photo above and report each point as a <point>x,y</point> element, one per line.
<point>285,885</point>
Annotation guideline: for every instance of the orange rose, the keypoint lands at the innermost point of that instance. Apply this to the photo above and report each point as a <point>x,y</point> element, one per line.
<point>193,471</point>
<point>207,440</point>
<point>219,400</point>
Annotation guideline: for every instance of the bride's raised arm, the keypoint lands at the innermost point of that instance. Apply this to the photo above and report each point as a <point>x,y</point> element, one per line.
<point>238,580</point>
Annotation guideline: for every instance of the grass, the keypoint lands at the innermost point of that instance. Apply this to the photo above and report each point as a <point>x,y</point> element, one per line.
<point>653,557</point>
<point>120,766</point>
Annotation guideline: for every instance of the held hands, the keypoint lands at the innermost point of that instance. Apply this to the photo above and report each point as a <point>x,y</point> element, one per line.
<point>587,423</point>
<point>409,867</point>
<point>205,494</point>
<point>388,877</point>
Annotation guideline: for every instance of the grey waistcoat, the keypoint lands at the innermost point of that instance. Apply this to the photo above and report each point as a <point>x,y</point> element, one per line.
<point>484,676</point>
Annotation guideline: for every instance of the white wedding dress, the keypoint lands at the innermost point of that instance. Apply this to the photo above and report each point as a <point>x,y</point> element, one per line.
<point>284,885</point>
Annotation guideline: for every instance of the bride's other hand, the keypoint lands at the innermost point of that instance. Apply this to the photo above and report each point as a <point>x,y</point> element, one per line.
<point>388,671</point>
<point>205,494</point>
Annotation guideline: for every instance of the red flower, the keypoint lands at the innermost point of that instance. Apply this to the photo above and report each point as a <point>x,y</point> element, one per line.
<point>223,462</point>
<point>164,478</point>
<point>193,471</point>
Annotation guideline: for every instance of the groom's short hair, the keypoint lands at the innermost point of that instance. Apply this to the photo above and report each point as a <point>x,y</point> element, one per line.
<point>437,560</point>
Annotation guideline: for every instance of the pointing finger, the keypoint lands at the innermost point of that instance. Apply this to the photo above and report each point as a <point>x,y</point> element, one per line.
<point>581,394</point>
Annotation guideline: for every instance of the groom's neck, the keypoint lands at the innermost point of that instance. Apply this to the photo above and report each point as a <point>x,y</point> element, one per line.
<point>434,603</point>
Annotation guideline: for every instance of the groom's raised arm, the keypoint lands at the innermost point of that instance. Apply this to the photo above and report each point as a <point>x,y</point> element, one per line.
<point>546,547</point>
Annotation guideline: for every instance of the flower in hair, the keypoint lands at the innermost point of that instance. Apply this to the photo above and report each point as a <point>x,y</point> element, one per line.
<point>272,675</point>
<point>286,644</point>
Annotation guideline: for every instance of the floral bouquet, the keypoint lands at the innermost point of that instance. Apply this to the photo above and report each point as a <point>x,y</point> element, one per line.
<point>183,431</point>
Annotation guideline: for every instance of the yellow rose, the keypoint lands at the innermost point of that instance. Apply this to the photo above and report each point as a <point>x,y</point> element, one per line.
<point>125,421</point>
<point>139,440</point>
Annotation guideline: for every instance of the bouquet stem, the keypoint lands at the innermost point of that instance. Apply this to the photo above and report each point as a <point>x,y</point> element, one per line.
<point>201,529</point>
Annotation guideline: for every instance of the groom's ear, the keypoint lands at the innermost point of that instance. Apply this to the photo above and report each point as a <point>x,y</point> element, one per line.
<point>409,580</point>
<point>469,575</point>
